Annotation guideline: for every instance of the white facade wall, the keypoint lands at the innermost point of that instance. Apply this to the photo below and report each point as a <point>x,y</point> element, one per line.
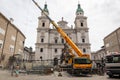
<point>50,35</point>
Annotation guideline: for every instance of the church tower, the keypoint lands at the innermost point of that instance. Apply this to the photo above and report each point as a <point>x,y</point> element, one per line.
<point>42,35</point>
<point>82,33</point>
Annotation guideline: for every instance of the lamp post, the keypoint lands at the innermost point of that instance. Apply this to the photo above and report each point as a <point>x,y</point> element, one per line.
<point>4,39</point>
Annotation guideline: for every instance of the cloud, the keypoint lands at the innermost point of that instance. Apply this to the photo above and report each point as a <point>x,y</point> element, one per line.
<point>103,16</point>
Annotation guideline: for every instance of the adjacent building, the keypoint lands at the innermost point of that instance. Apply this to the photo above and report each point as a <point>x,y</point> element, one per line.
<point>28,54</point>
<point>112,42</point>
<point>98,55</point>
<point>111,45</point>
<point>11,40</point>
<point>49,42</point>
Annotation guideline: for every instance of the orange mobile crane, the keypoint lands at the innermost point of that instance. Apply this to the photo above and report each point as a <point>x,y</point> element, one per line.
<point>77,64</point>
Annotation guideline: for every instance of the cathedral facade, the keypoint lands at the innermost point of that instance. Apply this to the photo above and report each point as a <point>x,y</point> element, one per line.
<point>50,43</point>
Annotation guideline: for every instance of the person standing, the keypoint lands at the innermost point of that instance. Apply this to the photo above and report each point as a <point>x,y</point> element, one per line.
<point>12,70</point>
<point>17,70</point>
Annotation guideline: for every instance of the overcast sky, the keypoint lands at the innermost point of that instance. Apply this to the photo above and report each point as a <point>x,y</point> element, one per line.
<point>103,16</point>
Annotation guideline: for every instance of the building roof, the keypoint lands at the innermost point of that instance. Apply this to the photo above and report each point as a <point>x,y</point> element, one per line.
<point>79,9</point>
<point>45,8</point>
<point>12,24</point>
<point>112,32</point>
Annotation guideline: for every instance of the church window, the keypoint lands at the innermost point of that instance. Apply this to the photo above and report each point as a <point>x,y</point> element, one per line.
<point>41,49</point>
<point>83,40</point>
<point>84,50</point>
<point>62,40</point>
<point>56,40</point>
<point>55,50</point>
<point>42,40</point>
<point>82,24</point>
<point>43,24</point>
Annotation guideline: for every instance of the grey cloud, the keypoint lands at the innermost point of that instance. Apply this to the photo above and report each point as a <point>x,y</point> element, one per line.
<point>102,14</point>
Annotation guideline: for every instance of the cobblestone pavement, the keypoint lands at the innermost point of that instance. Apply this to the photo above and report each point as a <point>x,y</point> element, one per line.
<point>5,75</point>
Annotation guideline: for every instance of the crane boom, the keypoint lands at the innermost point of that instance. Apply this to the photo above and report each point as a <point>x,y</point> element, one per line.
<point>63,34</point>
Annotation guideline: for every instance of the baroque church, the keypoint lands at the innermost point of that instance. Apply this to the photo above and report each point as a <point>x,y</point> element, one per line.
<point>49,42</point>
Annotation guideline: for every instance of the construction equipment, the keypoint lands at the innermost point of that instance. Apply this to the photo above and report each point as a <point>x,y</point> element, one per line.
<point>77,64</point>
<point>113,64</point>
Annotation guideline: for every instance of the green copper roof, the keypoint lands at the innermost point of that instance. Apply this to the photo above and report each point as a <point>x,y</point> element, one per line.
<point>45,8</point>
<point>79,9</point>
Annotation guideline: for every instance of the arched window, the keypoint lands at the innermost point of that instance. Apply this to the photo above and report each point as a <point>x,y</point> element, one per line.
<point>83,40</point>
<point>43,24</point>
<point>42,40</point>
<point>82,24</point>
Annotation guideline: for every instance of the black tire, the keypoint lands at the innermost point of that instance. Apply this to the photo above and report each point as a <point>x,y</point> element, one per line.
<point>110,76</point>
<point>119,75</point>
